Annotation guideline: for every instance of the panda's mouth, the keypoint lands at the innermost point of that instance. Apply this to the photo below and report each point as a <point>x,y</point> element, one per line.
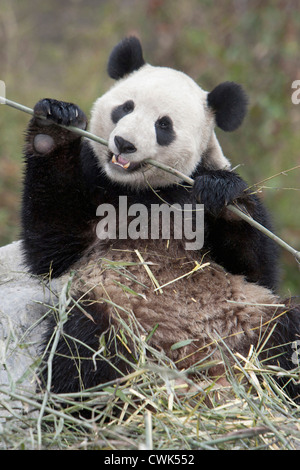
<point>121,163</point>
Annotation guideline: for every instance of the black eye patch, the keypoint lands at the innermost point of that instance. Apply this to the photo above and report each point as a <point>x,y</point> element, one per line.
<point>122,110</point>
<point>165,133</point>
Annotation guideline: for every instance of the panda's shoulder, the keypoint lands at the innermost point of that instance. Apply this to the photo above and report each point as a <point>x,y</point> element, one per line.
<point>93,176</point>
<point>88,157</point>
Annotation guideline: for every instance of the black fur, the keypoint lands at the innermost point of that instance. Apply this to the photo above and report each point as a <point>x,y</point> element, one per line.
<point>233,243</point>
<point>126,57</point>
<point>165,133</point>
<point>55,180</point>
<point>122,110</point>
<point>283,347</point>
<point>224,187</point>
<point>77,364</point>
<point>229,102</point>
<point>67,114</point>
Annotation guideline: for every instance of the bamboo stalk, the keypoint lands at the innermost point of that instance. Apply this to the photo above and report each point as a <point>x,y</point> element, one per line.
<point>168,169</point>
<point>74,129</point>
<point>233,209</point>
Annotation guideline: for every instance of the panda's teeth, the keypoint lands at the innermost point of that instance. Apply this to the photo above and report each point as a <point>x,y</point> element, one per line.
<point>116,162</point>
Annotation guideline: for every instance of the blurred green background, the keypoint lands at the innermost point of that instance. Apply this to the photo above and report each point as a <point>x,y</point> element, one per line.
<point>60,48</point>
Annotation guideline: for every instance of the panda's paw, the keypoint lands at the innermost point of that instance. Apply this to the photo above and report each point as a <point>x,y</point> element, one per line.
<point>49,111</point>
<point>218,188</point>
<point>44,136</point>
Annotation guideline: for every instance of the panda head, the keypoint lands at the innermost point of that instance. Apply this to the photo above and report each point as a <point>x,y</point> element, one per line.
<point>162,114</point>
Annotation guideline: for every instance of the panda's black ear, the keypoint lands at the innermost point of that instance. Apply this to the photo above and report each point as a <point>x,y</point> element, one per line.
<point>126,57</point>
<point>229,103</point>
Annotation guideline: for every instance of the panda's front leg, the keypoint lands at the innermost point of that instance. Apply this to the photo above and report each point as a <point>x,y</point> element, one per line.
<point>55,209</point>
<point>218,188</point>
<point>233,243</point>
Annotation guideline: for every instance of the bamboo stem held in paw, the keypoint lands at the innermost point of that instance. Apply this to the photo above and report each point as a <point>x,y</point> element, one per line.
<point>76,130</point>
<point>233,209</point>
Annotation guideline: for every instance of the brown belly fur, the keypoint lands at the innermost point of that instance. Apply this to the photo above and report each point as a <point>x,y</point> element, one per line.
<point>204,306</point>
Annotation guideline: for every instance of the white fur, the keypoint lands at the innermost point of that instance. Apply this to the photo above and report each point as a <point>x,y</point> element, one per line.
<point>157,92</point>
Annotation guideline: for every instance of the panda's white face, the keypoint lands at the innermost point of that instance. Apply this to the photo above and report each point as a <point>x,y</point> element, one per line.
<point>156,113</point>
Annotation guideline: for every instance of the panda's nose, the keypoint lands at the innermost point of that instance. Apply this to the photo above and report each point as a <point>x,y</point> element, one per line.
<point>124,146</point>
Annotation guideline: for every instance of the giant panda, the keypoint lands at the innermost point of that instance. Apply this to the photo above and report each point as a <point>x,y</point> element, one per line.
<point>222,293</point>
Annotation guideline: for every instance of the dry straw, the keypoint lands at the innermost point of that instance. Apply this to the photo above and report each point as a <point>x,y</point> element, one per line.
<point>156,406</point>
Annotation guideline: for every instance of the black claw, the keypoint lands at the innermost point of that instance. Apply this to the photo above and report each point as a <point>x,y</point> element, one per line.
<point>60,112</point>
